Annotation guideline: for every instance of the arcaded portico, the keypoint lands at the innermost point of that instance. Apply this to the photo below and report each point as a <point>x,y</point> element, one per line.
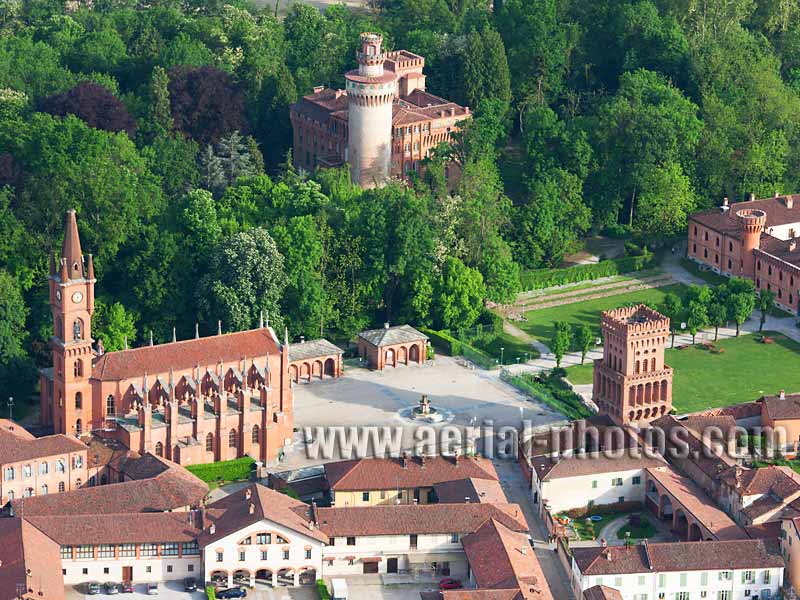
<point>392,346</point>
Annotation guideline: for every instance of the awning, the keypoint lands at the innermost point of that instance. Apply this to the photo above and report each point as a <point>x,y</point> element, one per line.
<point>437,557</point>
<point>371,559</point>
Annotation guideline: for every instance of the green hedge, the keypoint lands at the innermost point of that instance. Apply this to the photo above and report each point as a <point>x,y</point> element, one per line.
<point>229,470</point>
<point>544,278</point>
<point>552,390</point>
<point>211,593</point>
<point>322,590</point>
<point>456,347</point>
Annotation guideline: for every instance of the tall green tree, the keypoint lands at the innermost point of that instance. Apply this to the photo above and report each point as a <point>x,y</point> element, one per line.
<point>766,302</point>
<point>561,340</point>
<point>458,296</point>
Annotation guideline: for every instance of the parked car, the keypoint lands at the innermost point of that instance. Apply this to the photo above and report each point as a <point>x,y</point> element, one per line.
<point>112,588</point>
<point>127,587</point>
<point>190,584</point>
<point>92,588</point>
<point>450,584</point>
<point>152,589</point>
<point>236,592</point>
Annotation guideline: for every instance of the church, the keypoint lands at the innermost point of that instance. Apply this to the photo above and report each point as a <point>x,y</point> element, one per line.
<point>192,401</point>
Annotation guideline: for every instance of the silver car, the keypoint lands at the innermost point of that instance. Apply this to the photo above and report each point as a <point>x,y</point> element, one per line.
<point>152,589</point>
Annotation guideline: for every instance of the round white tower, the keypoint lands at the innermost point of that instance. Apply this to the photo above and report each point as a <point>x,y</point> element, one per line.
<point>370,93</point>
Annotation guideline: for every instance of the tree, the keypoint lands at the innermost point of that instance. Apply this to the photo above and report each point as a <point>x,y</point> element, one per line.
<point>160,111</point>
<point>114,325</point>
<point>742,305</point>
<point>666,198</point>
<point>485,72</point>
<point>717,316</point>
<point>94,104</point>
<point>12,319</point>
<point>561,340</point>
<point>245,278</point>
<point>584,338</point>
<point>697,317</point>
<point>206,103</point>
<point>672,308</point>
<point>458,297</point>
<point>766,302</point>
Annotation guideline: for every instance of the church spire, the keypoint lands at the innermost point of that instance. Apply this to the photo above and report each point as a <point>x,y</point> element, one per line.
<point>71,250</point>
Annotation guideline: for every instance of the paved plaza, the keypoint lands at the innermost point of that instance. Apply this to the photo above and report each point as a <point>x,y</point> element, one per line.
<point>364,398</point>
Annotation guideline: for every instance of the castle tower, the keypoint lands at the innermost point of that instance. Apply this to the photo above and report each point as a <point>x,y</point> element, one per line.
<point>631,382</point>
<point>370,93</point>
<point>752,222</point>
<point>72,304</point>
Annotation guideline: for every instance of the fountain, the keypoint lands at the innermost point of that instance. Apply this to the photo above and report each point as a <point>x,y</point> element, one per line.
<point>425,412</point>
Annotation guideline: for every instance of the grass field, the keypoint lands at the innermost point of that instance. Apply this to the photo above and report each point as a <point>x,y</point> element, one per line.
<point>541,323</point>
<point>745,371</point>
<point>215,474</point>
<point>512,349</point>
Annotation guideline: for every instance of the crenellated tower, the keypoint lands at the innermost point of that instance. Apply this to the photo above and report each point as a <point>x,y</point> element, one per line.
<point>72,304</point>
<point>751,221</point>
<point>370,92</point>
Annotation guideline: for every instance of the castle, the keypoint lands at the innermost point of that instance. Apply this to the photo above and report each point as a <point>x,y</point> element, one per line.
<point>756,239</point>
<point>193,401</point>
<point>631,382</point>
<point>383,124</point>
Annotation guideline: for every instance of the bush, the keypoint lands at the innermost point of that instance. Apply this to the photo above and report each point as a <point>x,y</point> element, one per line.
<point>211,593</point>
<point>229,470</point>
<point>456,347</point>
<point>322,590</point>
<point>492,322</point>
<point>552,390</point>
<point>544,278</point>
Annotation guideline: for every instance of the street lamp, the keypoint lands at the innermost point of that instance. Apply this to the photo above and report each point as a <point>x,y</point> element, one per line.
<point>10,408</point>
<point>501,356</point>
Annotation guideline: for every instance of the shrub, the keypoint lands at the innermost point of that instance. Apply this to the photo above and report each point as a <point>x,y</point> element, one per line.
<point>456,347</point>
<point>552,390</point>
<point>544,278</point>
<point>229,470</point>
<point>211,593</point>
<point>322,590</point>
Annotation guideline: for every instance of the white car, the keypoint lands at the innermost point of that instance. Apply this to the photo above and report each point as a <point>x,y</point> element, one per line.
<point>152,589</point>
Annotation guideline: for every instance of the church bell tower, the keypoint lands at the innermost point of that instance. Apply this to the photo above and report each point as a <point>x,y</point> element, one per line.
<point>72,303</point>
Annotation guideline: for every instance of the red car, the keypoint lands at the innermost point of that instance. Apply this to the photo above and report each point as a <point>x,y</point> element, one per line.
<point>127,587</point>
<point>450,584</point>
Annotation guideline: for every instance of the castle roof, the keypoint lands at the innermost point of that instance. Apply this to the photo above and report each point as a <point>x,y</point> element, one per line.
<point>185,354</point>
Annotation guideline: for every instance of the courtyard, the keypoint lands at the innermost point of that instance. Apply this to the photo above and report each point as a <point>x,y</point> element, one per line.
<point>742,369</point>
<point>364,398</point>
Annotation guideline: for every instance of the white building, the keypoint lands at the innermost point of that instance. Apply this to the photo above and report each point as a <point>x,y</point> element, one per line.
<point>591,479</point>
<point>727,570</point>
<point>260,535</point>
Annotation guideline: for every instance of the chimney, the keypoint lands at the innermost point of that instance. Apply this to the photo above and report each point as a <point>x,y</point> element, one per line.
<point>422,460</point>
<point>212,529</point>
<point>404,460</point>
<point>603,543</point>
<point>726,206</point>
<point>789,200</point>
<point>782,395</point>
<point>248,494</point>
<point>792,245</point>
<point>100,348</point>
<point>386,325</point>
<point>252,508</point>
<point>751,197</point>
<point>777,195</point>
<point>302,339</point>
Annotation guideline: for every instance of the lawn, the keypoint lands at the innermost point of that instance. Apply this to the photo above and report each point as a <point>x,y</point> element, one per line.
<point>541,323</point>
<point>644,529</point>
<point>710,277</point>
<point>215,474</point>
<point>744,371</point>
<point>512,348</point>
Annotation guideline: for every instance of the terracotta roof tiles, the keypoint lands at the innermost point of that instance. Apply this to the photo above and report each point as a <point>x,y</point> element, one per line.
<point>126,528</point>
<point>388,336</point>
<point>17,447</point>
<point>27,556</point>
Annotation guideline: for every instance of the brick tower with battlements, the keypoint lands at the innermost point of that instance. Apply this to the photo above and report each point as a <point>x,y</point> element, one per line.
<point>631,382</point>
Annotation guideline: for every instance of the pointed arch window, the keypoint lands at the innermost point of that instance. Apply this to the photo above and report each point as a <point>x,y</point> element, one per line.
<point>110,405</point>
<point>77,368</point>
<point>210,442</point>
<point>232,438</point>
<point>78,400</point>
<point>160,449</point>
<point>256,432</point>
<point>77,330</point>
<point>78,425</point>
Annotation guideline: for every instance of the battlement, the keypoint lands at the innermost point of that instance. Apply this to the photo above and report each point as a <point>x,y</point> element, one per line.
<point>752,219</point>
<point>632,320</point>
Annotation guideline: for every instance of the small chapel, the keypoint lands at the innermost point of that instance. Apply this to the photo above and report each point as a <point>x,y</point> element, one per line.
<point>192,401</point>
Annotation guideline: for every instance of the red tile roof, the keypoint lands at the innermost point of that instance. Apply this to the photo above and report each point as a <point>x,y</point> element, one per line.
<point>185,354</point>
<point>779,481</point>
<point>726,221</point>
<point>394,473</point>
<point>470,490</point>
<point>30,558</point>
<point>503,559</point>
<point>780,409</point>
<point>549,468</point>
<point>601,592</point>
<point>127,528</point>
<point>173,488</point>
<point>232,513</point>
<point>405,519</point>
<point>737,411</point>
<point>677,556</point>
<point>16,447</point>
<point>15,429</point>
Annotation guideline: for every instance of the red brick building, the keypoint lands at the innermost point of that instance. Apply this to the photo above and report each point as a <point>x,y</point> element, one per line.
<point>192,401</point>
<point>383,124</point>
<point>390,346</point>
<point>631,382</point>
<point>756,239</point>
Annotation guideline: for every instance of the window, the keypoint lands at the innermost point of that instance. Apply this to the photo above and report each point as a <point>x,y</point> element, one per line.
<point>246,541</point>
<point>725,575</point>
<point>308,553</point>
<point>723,595</point>
<point>27,471</point>
<point>77,330</point>
<point>44,468</point>
<point>413,540</point>
<point>78,425</point>
<point>662,580</point>
<point>682,596</point>
<point>748,577</point>
<point>618,582</point>
<point>256,431</point>
<point>191,568</point>
<point>127,550</point>
<point>77,368</point>
<point>148,569</point>
<point>766,577</point>
<point>641,580</point>
<point>66,552</point>
<point>77,461</point>
<point>60,465</point>
<point>232,438</point>
<point>28,493</point>
<point>10,474</point>
<point>159,449</point>
<point>210,442</point>
<point>704,578</point>
<point>148,550</point>
<point>169,568</point>
<point>110,405</point>
<point>453,538</point>
<point>616,482</point>
<point>241,556</point>
<point>220,556</point>
<point>84,552</point>
<point>106,551</point>
<point>169,549</point>
<point>351,541</point>
<point>621,499</point>
<point>637,479</point>
<point>383,494</point>
<point>285,555</point>
<point>590,503</point>
<point>365,496</point>
<point>594,484</point>
<point>78,400</point>
<point>264,538</point>
<point>85,571</point>
<point>263,555</point>
<point>683,579</point>
<point>190,549</point>
<point>45,490</point>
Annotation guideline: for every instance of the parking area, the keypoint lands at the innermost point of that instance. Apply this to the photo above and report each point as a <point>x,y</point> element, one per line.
<point>172,590</point>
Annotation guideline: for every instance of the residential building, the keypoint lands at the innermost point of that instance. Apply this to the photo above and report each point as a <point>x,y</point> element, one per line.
<point>31,466</point>
<point>756,239</point>
<point>383,124</point>
<point>789,537</point>
<point>29,563</point>
<point>390,346</point>
<point>404,480</point>
<point>722,570</point>
<point>781,413</point>
<point>632,383</point>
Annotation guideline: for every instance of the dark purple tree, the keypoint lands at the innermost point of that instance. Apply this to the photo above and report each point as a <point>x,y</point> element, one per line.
<point>94,104</point>
<point>206,103</point>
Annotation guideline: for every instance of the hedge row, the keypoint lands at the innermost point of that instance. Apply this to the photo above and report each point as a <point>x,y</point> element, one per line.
<point>545,278</point>
<point>229,470</point>
<point>456,347</point>
<point>550,390</point>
